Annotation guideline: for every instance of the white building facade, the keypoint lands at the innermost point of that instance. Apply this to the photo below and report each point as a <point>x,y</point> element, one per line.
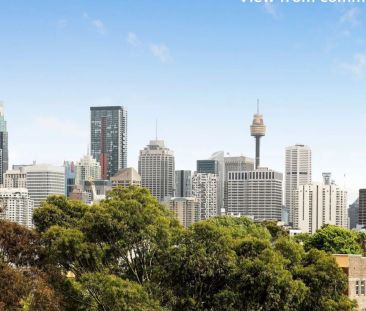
<point>256,194</point>
<point>319,204</point>
<point>44,180</point>
<point>15,178</point>
<point>298,171</point>
<point>16,206</point>
<point>205,190</point>
<point>157,169</point>
<point>87,168</point>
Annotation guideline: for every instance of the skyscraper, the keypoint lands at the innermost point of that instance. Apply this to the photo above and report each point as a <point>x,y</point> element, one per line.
<point>234,164</point>
<point>353,212</point>
<point>4,156</point>
<point>362,207</point>
<point>16,206</point>
<point>69,176</point>
<point>44,180</point>
<point>183,183</point>
<point>204,189</point>
<point>85,169</point>
<point>318,204</point>
<point>297,173</point>
<point>257,130</point>
<point>157,169</point>
<point>109,138</point>
<point>208,166</point>
<point>257,194</point>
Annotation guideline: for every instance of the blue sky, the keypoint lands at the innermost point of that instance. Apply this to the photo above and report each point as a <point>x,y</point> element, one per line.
<point>196,66</point>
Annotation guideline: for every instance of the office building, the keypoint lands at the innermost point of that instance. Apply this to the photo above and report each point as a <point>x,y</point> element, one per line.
<point>157,169</point>
<point>353,212</point>
<point>126,177</point>
<point>362,207</point>
<point>297,173</point>
<point>183,183</point>
<point>234,164</point>
<point>204,189</point>
<point>318,204</point>
<point>44,180</point>
<point>16,206</point>
<point>185,209</point>
<point>4,156</point>
<point>208,166</point>
<point>96,189</point>
<point>109,138</point>
<point>70,176</point>
<point>87,168</point>
<point>256,194</point>
<point>15,178</point>
<point>219,156</point>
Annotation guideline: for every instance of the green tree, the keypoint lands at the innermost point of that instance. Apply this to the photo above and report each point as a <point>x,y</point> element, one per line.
<point>334,240</point>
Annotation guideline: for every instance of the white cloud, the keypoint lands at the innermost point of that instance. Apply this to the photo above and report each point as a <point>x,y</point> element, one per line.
<point>64,128</point>
<point>358,67</point>
<point>351,17</point>
<point>100,26</point>
<point>271,9</point>
<point>160,51</point>
<point>132,39</point>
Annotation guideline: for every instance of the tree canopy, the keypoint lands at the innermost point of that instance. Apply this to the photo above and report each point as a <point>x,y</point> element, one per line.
<point>128,252</point>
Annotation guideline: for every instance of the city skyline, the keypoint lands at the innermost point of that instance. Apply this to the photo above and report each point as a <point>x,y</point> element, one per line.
<point>199,79</point>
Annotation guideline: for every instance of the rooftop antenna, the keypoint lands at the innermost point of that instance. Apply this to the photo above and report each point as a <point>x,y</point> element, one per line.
<point>88,150</point>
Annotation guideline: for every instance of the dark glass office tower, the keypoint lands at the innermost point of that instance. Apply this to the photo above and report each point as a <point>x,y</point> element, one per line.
<point>208,166</point>
<point>4,156</point>
<point>109,138</point>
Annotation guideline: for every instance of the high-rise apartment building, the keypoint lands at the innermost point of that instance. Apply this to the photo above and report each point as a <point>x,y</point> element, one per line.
<point>109,138</point>
<point>362,207</point>
<point>87,168</point>
<point>16,206</point>
<point>126,177</point>
<point>204,189</point>
<point>4,156</point>
<point>44,180</point>
<point>185,209</point>
<point>157,169</point>
<point>256,194</point>
<point>15,178</point>
<point>297,173</point>
<point>183,183</point>
<point>318,204</point>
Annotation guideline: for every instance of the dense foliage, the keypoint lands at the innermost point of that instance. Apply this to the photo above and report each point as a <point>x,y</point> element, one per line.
<point>129,253</point>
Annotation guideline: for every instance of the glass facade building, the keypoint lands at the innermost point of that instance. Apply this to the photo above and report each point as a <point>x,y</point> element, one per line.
<point>109,138</point>
<point>4,156</point>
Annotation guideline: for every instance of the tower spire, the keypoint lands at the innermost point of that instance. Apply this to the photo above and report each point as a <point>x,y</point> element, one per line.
<point>257,130</point>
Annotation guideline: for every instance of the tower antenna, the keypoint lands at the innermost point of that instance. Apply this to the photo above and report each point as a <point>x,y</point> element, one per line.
<point>258,105</point>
